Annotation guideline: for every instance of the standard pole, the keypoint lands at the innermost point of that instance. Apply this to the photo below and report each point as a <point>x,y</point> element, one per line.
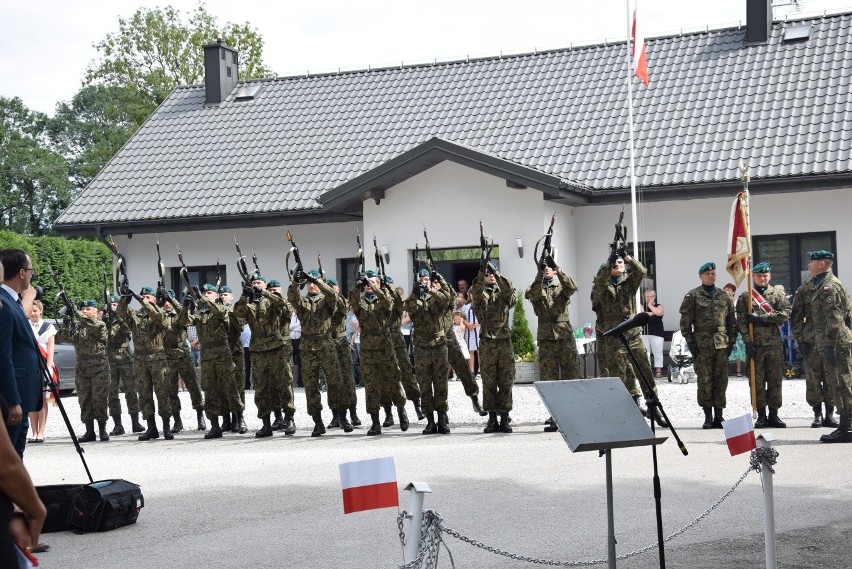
<point>610,516</point>
<point>634,215</point>
<point>768,508</point>
<point>415,521</point>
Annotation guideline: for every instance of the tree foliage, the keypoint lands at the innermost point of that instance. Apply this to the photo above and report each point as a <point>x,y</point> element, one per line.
<point>522,338</point>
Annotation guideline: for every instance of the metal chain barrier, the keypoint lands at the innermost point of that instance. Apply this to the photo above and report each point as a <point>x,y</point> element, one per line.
<point>433,526</point>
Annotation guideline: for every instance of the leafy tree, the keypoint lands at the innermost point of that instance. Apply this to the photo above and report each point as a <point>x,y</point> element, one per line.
<point>34,182</point>
<point>522,338</point>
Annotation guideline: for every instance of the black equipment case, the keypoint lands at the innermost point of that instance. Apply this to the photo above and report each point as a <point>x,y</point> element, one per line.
<point>105,505</point>
<point>57,500</point>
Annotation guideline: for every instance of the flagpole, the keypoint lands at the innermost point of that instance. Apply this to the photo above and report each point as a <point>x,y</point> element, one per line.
<point>634,217</point>
<point>752,372</point>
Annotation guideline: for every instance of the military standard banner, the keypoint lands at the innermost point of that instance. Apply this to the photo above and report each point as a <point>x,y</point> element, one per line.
<point>739,239</point>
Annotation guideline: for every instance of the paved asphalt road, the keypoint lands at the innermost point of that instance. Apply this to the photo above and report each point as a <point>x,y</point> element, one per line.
<point>243,502</point>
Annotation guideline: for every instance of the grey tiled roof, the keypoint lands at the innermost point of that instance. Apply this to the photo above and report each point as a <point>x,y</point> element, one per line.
<point>785,108</point>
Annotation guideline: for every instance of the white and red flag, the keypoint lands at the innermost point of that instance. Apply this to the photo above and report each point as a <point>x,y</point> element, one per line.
<point>739,239</point>
<point>639,56</point>
<point>368,485</point>
<point>739,433</point>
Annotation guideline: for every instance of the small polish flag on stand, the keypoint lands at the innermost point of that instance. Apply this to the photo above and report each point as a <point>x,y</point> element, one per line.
<point>739,433</point>
<point>369,484</point>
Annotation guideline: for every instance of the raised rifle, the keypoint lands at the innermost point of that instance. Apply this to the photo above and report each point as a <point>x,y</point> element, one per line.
<point>241,264</point>
<point>380,260</point>
<point>161,271</point>
<point>297,274</point>
<point>486,245</point>
<point>184,276</point>
<point>219,281</point>
<point>360,254</point>
<point>430,261</point>
<point>70,310</point>
<point>319,266</point>
<point>546,249</point>
<point>121,279</point>
<point>619,240</point>
<point>109,316</point>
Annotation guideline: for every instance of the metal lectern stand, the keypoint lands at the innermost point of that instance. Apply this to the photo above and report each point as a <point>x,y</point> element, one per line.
<point>597,414</point>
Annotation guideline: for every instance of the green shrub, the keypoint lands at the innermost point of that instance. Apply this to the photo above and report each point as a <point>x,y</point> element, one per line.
<point>522,338</point>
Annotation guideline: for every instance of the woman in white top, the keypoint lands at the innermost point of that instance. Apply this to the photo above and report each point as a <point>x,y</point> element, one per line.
<point>44,332</point>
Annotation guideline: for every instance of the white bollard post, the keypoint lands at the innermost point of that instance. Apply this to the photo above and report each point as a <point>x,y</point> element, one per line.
<point>415,519</point>
<point>765,441</point>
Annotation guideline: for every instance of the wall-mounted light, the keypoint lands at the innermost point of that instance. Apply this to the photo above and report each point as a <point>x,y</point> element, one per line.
<point>386,253</point>
<point>520,247</point>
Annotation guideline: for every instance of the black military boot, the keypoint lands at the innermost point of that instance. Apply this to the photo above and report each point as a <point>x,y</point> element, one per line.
<point>135,425</point>
<point>202,424</point>
<point>388,422</point>
<point>829,420</point>
<point>178,426</point>
<point>443,423</point>
<point>773,420</point>
<point>761,418</point>
<point>431,428</point>
<point>226,422</point>
<point>418,410</point>
<point>335,420</point>
<point>319,428</point>
<point>118,428</point>
<point>403,418</point>
<point>817,417</point>
<point>353,415</point>
<point>504,423</point>
<point>89,435</point>
<point>843,434</point>
<point>708,418</point>
<point>658,418</point>
<point>376,427</point>
<point>240,424</point>
<point>717,418</point>
<point>215,431</point>
<point>474,399</point>
<point>289,424</point>
<point>265,430</point>
<point>167,433</point>
<point>151,432</point>
<point>278,423</point>
<point>491,425</point>
<point>550,426</point>
<point>102,434</point>
<point>344,422</point>
<point>642,410</point>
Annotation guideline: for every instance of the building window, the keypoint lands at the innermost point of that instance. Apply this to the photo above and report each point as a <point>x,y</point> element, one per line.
<point>198,276</point>
<point>789,254</point>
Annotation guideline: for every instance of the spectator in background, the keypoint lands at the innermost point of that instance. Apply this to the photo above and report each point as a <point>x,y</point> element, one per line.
<point>44,332</point>
<point>459,329</point>
<point>295,339</point>
<point>471,333</point>
<point>245,339</point>
<point>653,333</point>
<point>407,327</point>
<point>738,354</point>
<point>194,345</point>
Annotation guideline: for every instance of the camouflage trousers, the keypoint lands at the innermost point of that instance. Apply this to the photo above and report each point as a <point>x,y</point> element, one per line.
<point>456,360</point>
<point>614,361</point>
<point>839,376</point>
<point>237,392</point>
<point>497,365</point>
<point>380,374</point>
<point>182,368</point>
<point>406,374</point>
<point>430,363</point>
<point>319,354</point>
<point>273,381</point>
<point>711,366</point>
<point>151,375</point>
<point>92,383</point>
<point>217,375</point>
<point>555,356</point>
<point>768,375</point>
<point>286,400</point>
<point>347,374</point>
<point>817,388</point>
<point>121,372</point>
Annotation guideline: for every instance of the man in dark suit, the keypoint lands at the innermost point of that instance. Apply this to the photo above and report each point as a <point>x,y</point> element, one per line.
<point>20,379</point>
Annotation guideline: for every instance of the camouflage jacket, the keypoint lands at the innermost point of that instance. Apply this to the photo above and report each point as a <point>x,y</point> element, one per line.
<point>831,306</point>
<point>118,336</point>
<point>550,302</point>
<point>766,332</point>
<point>373,316</point>
<point>708,319</point>
<point>147,326</point>
<point>801,318</point>
<point>211,324</point>
<point>427,313</point>
<point>338,319</point>
<point>615,302</point>
<point>492,305</point>
<point>396,310</point>
<point>314,310</point>
<point>175,337</point>
<point>234,325</point>
<point>264,318</point>
<point>90,341</point>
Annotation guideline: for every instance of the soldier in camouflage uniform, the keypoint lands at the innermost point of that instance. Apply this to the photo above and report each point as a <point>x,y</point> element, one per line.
<point>344,357</point>
<point>314,311</point>
<point>287,395</point>
<point>767,349</point>
<point>614,301</point>
<point>818,390</point>
<point>211,322</point>
<point>455,357</point>
<point>406,373</point>
<point>179,364</point>
<point>831,307</point>
<point>427,306</point>
<point>372,305</point>
<point>121,371</point>
<point>550,295</point>
<point>89,337</point>
<point>264,312</point>
<point>147,326</point>
<point>493,297</point>
<point>236,393</point>
<point>709,327</point>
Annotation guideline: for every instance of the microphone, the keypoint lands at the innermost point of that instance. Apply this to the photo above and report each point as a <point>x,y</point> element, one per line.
<point>639,320</point>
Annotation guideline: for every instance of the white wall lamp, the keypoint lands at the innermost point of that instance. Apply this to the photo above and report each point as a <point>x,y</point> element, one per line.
<point>520,247</point>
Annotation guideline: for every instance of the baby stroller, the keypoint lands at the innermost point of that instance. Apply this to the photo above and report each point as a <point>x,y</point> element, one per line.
<point>681,369</point>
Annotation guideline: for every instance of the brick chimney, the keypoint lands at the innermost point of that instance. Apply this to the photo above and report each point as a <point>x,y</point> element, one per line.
<point>758,21</point>
<point>221,71</point>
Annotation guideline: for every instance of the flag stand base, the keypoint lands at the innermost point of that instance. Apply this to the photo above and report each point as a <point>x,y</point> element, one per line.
<point>765,441</point>
<point>415,519</point>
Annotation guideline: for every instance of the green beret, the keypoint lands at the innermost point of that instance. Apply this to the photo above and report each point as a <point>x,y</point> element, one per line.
<point>147,290</point>
<point>761,268</point>
<point>332,281</point>
<point>314,274</point>
<point>371,274</point>
<point>711,266</point>
<point>821,254</point>
<point>207,287</point>
<point>226,288</point>
<point>115,298</point>
<point>256,276</point>
<point>170,293</point>
<point>274,283</point>
<point>85,303</point>
<point>388,279</point>
<point>423,273</point>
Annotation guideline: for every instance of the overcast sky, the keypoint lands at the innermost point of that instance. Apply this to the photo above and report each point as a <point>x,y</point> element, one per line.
<point>46,45</point>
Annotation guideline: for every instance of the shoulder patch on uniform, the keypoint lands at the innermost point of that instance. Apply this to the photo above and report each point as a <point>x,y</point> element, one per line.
<point>826,289</point>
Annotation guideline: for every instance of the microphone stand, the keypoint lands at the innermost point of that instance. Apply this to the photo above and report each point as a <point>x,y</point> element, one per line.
<point>654,407</point>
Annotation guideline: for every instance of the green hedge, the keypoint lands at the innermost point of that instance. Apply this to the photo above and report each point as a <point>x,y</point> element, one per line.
<point>522,338</point>
<point>79,264</point>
